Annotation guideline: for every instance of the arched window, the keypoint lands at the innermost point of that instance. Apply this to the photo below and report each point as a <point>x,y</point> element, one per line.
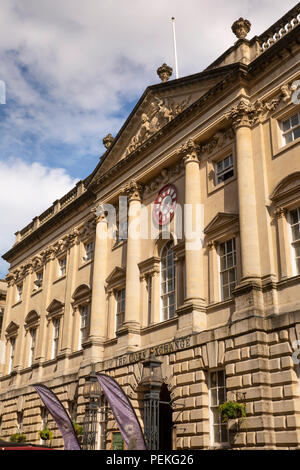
<point>168,303</point>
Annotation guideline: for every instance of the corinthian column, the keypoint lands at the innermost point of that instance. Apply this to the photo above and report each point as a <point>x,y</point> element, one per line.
<point>242,116</point>
<point>193,230</point>
<point>132,314</point>
<point>98,321</point>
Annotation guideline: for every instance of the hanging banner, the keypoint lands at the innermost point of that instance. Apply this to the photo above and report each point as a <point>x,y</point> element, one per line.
<point>60,416</point>
<point>123,413</point>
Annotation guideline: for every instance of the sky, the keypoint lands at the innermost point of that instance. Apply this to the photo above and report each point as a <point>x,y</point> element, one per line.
<point>73,71</point>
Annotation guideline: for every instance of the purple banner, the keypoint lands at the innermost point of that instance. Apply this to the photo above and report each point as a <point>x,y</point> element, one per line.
<point>123,413</point>
<point>60,416</point>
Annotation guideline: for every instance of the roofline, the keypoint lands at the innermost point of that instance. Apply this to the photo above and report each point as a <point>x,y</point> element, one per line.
<point>187,80</point>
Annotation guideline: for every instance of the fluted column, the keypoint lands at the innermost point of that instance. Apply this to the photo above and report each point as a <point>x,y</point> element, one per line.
<point>98,321</point>
<point>132,314</point>
<point>192,315</point>
<point>214,295</point>
<point>193,221</point>
<point>242,119</point>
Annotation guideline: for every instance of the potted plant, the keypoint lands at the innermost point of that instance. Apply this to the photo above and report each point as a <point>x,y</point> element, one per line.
<point>46,435</point>
<point>18,437</point>
<point>232,413</point>
<point>232,410</point>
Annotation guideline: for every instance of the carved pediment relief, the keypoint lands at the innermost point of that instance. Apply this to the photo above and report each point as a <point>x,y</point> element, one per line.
<point>159,112</point>
<point>116,277</point>
<point>220,224</point>
<point>287,189</point>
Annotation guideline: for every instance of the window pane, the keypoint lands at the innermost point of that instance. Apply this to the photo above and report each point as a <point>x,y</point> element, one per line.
<point>297,132</point>
<point>213,379</point>
<point>288,137</point>
<point>221,378</point>
<point>294,120</point>
<point>224,433</point>
<point>296,232</point>
<point>294,216</point>
<point>286,125</point>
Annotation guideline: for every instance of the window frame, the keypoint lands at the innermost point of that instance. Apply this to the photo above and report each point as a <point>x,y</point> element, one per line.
<point>84,312</point>
<point>62,272</point>
<point>290,130</point>
<point>224,171</point>
<point>55,339</point>
<point>32,345</point>
<point>119,313</point>
<point>168,293</point>
<point>222,271</point>
<point>294,243</point>
<point>212,423</point>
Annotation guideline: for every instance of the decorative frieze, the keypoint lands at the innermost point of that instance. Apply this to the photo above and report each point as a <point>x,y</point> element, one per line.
<point>164,177</point>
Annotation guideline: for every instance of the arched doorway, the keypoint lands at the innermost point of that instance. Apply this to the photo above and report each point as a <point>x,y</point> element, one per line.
<point>165,419</point>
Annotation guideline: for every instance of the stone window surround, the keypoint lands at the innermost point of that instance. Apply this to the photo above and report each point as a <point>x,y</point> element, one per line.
<point>285,197</point>
<point>32,322</point>
<point>210,167</point>
<point>11,333</point>
<point>277,144</point>
<point>114,282</point>
<point>82,252</point>
<point>82,297</point>
<point>223,227</point>
<point>55,310</point>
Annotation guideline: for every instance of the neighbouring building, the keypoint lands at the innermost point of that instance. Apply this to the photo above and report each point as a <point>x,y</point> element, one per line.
<point>219,306</point>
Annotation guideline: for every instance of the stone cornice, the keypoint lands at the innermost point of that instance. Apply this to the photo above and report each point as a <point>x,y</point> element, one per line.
<point>54,221</point>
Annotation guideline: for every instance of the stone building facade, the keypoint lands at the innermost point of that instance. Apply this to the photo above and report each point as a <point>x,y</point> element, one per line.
<point>219,305</point>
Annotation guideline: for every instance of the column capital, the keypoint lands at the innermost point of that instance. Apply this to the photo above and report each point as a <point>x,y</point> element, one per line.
<point>280,212</point>
<point>100,213</point>
<point>189,152</point>
<point>246,114</point>
<point>134,191</point>
<point>241,114</point>
<point>212,244</point>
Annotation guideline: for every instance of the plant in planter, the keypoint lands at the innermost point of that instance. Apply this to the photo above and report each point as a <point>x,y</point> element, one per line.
<point>46,435</point>
<point>232,410</point>
<point>18,437</point>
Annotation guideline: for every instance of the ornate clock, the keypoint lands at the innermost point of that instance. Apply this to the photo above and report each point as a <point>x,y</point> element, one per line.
<point>165,204</point>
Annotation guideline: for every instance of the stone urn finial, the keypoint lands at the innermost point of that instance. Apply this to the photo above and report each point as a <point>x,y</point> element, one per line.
<point>107,141</point>
<point>241,28</point>
<point>164,72</point>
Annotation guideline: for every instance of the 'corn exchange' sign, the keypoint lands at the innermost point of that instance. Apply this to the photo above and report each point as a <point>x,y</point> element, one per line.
<point>160,350</point>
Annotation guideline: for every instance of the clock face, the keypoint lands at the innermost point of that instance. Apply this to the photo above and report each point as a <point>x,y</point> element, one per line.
<point>165,204</point>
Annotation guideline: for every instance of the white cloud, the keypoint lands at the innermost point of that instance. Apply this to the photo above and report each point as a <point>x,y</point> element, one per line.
<point>71,67</point>
<point>26,190</point>
<point>83,59</point>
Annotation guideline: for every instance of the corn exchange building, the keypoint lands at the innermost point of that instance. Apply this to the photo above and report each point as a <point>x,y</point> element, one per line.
<point>180,250</point>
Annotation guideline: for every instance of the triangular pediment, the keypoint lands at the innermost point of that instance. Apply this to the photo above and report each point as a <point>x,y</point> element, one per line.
<point>220,222</point>
<point>157,108</point>
<point>117,275</point>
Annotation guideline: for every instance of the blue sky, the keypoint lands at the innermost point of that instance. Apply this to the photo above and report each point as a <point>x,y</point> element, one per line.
<point>73,72</point>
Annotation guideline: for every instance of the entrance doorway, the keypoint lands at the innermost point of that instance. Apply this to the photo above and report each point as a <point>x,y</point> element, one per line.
<point>165,419</point>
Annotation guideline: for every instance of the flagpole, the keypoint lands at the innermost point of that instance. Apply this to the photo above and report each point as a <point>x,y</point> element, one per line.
<point>175,50</point>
